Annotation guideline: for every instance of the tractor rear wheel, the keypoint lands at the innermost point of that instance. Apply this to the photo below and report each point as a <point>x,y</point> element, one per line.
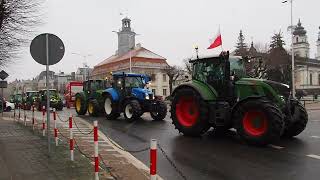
<point>161,113</point>
<point>110,109</point>
<point>80,104</point>
<point>300,119</point>
<point>132,110</point>
<point>189,113</point>
<point>93,108</point>
<point>258,121</point>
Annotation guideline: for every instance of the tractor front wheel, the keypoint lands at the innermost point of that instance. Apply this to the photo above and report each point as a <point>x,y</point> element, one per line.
<point>299,120</point>
<point>258,121</point>
<point>132,110</point>
<point>110,109</point>
<point>161,112</point>
<point>189,113</point>
<point>80,105</point>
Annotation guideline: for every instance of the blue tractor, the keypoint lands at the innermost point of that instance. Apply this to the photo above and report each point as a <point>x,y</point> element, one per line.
<point>129,95</point>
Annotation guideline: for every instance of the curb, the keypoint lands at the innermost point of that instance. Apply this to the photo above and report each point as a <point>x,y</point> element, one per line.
<point>133,160</point>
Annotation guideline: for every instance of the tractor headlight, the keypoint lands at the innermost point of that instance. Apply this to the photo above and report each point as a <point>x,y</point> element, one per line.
<point>147,96</point>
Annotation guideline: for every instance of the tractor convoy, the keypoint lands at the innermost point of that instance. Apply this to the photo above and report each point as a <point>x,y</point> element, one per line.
<point>220,96</point>
<point>126,93</point>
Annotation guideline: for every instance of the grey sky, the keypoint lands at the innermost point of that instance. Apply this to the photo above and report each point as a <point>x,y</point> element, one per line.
<point>168,27</point>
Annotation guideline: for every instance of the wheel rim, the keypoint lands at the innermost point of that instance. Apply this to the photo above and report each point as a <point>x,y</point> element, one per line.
<point>90,108</point>
<point>78,104</point>
<point>187,111</point>
<point>128,111</point>
<point>255,123</point>
<point>107,106</point>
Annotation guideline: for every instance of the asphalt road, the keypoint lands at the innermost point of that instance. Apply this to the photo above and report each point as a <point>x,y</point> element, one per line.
<point>218,157</point>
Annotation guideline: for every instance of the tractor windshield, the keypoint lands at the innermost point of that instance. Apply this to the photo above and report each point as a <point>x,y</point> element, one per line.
<point>237,66</point>
<point>52,93</point>
<point>134,82</point>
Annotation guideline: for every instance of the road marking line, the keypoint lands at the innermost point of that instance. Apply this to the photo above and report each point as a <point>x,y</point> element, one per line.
<point>275,147</point>
<point>314,156</point>
<point>316,137</point>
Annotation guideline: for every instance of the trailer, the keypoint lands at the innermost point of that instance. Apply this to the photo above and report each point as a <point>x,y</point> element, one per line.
<point>72,88</point>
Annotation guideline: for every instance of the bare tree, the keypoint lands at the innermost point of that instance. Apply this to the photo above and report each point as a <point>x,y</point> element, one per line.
<point>187,66</point>
<point>174,72</point>
<point>17,18</point>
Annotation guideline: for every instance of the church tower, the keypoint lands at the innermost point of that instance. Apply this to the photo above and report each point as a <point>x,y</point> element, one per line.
<point>300,41</point>
<point>318,46</point>
<point>126,37</point>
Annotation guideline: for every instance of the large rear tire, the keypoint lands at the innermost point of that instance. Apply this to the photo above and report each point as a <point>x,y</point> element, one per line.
<point>161,113</point>
<point>80,104</point>
<point>299,118</point>
<point>189,113</point>
<point>93,108</point>
<point>259,121</point>
<point>110,109</point>
<point>132,110</point>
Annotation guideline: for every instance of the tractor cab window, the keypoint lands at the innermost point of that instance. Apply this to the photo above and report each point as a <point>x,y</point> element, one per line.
<point>208,71</point>
<point>237,66</point>
<point>134,82</point>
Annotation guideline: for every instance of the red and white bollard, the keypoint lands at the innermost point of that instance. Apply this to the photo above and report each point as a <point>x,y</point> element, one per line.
<point>55,126</point>
<point>96,150</point>
<point>43,121</point>
<point>153,159</point>
<point>33,117</point>
<point>24,115</point>
<point>71,139</point>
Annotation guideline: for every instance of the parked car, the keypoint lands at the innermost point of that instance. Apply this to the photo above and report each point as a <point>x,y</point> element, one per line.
<point>9,106</point>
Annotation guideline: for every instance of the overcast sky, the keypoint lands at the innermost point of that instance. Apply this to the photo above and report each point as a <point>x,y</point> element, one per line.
<point>170,28</point>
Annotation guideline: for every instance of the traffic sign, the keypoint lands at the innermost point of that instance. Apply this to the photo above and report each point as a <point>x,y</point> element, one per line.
<point>47,49</point>
<point>3,84</point>
<point>3,74</point>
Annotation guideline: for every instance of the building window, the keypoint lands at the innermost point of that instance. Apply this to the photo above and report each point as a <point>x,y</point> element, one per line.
<point>164,92</point>
<point>310,78</point>
<point>164,78</point>
<point>319,79</point>
<point>154,91</point>
<point>297,39</point>
<point>153,77</point>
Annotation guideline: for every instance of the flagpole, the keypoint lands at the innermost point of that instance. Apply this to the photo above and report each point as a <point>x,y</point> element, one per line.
<point>221,38</point>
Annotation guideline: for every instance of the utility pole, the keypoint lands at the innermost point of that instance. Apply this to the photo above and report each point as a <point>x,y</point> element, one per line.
<point>292,50</point>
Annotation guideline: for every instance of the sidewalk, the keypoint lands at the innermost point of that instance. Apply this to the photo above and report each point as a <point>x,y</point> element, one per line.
<point>23,155</point>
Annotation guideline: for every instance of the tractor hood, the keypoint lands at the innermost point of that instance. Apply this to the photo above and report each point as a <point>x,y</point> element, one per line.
<point>141,93</point>
<point>280,88</point>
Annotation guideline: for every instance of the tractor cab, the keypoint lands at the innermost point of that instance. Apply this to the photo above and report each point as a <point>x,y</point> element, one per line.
<point>54,97</point>
<point>129,95</point>
<point>29,97</point>
<point>220,72</point>
<point>92,86</point>
<point>129,84</point>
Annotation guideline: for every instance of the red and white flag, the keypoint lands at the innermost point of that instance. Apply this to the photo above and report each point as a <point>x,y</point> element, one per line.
<point>216,42</point>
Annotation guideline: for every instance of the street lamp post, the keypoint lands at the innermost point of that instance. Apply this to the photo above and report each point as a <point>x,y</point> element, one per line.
<point>84,64</point>
<point>292,50</point>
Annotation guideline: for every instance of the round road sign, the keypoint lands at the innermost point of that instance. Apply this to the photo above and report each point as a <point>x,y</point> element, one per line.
<point>47,47</point>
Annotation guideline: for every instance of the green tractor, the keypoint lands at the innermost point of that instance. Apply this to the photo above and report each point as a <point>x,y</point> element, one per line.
<point>28,99</point>
<point>221,96</point>
<point>91,99</point>
<point>55,100</point>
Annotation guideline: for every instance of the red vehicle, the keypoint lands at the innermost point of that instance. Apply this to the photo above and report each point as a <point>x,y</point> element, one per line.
<point>72,88</point>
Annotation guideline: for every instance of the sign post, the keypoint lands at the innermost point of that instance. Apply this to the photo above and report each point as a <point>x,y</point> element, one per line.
<point>3,84</point>
<point>47,49</point>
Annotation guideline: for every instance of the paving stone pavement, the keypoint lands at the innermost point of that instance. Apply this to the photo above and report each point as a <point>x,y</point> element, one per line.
<point>23,155</point>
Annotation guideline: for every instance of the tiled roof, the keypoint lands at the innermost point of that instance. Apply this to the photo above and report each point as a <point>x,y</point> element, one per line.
<point>138,52</point>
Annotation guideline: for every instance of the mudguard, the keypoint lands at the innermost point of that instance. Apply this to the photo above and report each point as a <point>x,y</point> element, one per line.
<point>113,92</point>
